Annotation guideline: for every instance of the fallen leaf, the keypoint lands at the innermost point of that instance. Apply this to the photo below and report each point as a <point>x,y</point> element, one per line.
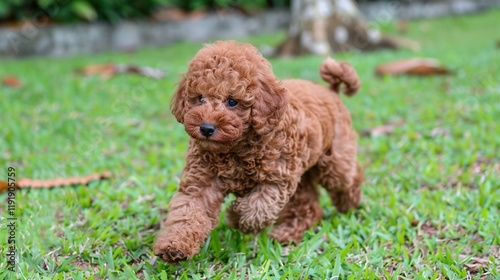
<point>402,26</point>
<point>3,186</point>
<point>107,71</point>
<point>168,13</point>
<point>381,130</point>
<point>412,66</point>
<point>18,24</point>
<point>141,70</point>
<point>414,222</point>
<point>57,182</point>
<point>475,263</point>
<point>11,81</point>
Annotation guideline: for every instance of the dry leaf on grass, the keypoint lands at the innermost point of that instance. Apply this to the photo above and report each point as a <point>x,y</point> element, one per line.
<point>3,186</point>
<point>381,130</point>
<point>57,182</point>
<point>402,26</point>
<point>412,66</point>
<point>108,70</point>
<point>475,263</point>
<point>11,81</point>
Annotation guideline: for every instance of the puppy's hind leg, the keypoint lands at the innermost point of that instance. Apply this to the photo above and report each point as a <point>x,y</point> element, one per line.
<point>301,212</point>
<point>341,175</point>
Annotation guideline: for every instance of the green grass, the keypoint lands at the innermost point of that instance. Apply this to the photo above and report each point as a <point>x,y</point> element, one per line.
<point>431,197</point>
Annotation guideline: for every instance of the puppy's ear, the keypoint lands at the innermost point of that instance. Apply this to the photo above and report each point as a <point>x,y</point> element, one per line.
<point>179,101</point>
<point>271,98</point>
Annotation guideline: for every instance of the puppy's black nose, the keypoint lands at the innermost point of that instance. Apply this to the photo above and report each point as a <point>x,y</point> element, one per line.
<point>207,130</point>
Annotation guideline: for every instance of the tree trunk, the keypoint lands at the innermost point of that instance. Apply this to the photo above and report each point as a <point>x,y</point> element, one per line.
<point>322,26</point>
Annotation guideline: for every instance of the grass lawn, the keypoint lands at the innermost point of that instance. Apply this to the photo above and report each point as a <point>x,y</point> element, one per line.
<point>431,197</point>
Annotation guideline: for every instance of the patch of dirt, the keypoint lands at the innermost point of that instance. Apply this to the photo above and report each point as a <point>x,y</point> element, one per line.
<point>439,132</point>
<point>428,229</point>
<point>482,165</point>
<point>477,262</point>
<point>86,266</point>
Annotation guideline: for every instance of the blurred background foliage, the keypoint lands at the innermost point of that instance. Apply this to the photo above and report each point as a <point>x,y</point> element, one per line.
<point>114,10</point>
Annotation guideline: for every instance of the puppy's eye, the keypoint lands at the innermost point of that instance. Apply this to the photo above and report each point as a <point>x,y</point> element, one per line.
<point>201,98</point>
<point>231,102</point>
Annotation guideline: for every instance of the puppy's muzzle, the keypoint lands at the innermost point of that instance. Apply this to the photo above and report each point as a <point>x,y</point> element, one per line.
<point>207,130</point>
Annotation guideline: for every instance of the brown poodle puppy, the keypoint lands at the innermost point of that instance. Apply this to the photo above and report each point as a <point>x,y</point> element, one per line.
<point>269,142</point>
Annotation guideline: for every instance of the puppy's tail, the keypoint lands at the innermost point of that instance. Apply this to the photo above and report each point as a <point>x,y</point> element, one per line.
<point>336,74</point>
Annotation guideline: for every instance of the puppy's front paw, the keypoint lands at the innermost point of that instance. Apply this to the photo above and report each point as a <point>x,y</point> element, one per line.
<point>169,253</point>
<point>173,249</point>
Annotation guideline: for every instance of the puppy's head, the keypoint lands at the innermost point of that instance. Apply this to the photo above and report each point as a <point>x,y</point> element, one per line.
<point>228,91</point>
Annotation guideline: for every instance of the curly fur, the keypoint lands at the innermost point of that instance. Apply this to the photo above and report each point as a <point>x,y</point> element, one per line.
<point>272,150</point>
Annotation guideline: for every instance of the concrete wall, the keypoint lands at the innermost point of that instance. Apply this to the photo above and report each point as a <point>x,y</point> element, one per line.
<point>56,40</point>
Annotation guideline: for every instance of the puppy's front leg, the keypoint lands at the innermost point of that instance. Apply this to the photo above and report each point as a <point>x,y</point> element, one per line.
<point>261,207</point>
<point>193,213</point>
